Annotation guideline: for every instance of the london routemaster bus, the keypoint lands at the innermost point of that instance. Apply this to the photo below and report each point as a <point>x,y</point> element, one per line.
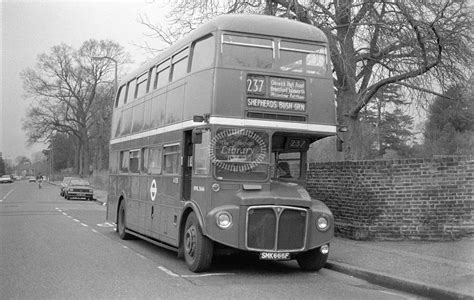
<point>209,143</point>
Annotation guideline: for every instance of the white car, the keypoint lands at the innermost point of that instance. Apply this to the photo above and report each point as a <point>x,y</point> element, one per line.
<point>6,179</point>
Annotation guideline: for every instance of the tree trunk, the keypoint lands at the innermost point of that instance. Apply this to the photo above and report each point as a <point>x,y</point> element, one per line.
<point>85,153</point>
<point>77,156</point>
<point>354,140</point>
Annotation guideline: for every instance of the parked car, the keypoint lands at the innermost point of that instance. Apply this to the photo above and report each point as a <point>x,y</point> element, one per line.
<point>79,188</point>
<point>64,184</point>
<point>6,179</point>
<point>31,179</point>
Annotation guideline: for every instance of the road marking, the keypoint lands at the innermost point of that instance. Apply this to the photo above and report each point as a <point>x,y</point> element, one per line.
<point>85,225</point>
<point>106,224</point>
<point>8,194</point>
<point>76,220</point>
<point>95,231</point>
<point>169,272</point>
<point>206,275</point>
<point>173,274</point>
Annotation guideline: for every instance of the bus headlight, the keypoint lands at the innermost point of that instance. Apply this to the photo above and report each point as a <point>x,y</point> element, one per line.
<point>223,219</point>
<point>322,223</point>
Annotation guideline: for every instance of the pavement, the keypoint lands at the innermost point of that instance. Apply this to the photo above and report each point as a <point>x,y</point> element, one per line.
<point>438,270</point>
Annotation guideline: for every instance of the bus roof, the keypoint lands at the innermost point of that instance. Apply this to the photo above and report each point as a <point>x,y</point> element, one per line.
<point>245,23</point>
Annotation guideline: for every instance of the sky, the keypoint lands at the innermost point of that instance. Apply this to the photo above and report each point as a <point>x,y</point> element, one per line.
<point>31,28</point>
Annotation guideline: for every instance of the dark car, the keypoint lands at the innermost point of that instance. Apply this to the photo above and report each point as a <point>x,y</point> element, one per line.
<point>64,184</point>
<point>79,188</point>
<point>6,179</point>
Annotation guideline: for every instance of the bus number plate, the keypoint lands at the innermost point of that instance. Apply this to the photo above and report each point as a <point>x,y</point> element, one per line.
<point>274,255</point>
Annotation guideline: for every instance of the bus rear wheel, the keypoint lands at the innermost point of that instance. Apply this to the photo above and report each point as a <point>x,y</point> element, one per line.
<point>121,222</point>
<point>312,260</point>
<point>198,249</point>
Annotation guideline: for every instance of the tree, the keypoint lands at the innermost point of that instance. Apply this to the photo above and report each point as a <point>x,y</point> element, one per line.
<point>449,129</point>
<point>63,147</point>
<point>420,45</point>
<point>392,128</point>
<point>64,87</point>
<point>20,160</point>
<point>100,130</point>
<point>395,132</point>
<point>2,166</point>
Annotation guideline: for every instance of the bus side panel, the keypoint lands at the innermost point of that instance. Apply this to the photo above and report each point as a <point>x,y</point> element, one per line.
<point>229,100</point>
<point>175,102</point>
<point>199,93</point>
<point>145,196</point>
<point>170,202</point>
<point>112,191</point>
<point>125,184</point>
<point>320,98</point>
<point>112,200</point>
<point>154,228</point>
<point>201,193</point>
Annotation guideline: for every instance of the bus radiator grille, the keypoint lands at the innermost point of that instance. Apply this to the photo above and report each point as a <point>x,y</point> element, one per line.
<point>276,228</point>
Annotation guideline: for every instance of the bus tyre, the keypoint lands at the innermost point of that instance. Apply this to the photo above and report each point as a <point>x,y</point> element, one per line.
<point>198,249</point>
<point>312,260</point>
<point>121,222</point>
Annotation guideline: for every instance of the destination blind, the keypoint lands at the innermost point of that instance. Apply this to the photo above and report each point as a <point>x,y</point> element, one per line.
<point>274,90</point>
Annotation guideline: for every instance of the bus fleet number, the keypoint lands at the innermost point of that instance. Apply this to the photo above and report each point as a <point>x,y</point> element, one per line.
<point>255,85</point>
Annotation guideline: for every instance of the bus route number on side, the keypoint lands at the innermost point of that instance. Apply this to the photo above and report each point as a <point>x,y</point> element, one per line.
<point>256,85</point>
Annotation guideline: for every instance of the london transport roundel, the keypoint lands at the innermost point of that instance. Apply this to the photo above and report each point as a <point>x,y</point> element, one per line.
<point>153,190</point>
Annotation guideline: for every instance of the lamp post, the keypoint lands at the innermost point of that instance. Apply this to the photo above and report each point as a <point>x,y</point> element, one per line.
<point>116,67</point>
<point>115,90</point>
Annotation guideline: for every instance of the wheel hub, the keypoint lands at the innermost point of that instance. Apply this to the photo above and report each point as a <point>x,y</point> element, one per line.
<point>190,241</point>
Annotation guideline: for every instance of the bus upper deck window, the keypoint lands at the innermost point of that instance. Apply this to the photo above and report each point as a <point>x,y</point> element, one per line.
<point>179,65</point>
<point>162,75</point>
<point>131,91</point>
<point>203,53</point>
<point>245,51</point>
<point>121,96</point>
<point>302,58</point>
<point>142,85</point>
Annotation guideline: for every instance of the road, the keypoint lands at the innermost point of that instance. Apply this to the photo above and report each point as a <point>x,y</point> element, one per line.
<point>55,248</point>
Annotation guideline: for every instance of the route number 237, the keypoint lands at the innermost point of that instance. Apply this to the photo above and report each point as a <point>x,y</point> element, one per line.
<point>256,85</point>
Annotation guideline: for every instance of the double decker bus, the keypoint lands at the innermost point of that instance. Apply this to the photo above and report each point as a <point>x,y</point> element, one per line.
<point>209,143</point>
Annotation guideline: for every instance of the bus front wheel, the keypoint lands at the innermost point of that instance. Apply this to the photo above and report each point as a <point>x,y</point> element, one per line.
<point>121,222</point>
<point>312,260</point>
<point>198,249</point>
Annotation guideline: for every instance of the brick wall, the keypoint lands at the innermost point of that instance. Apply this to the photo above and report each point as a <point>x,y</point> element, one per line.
<point>424,199</point>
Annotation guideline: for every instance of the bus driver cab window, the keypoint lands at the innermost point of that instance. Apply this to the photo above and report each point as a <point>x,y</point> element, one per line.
<point>284,170</point>
<point>287,165</point>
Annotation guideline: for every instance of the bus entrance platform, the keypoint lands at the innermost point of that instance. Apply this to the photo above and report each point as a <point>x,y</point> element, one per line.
<point>439,270</point>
